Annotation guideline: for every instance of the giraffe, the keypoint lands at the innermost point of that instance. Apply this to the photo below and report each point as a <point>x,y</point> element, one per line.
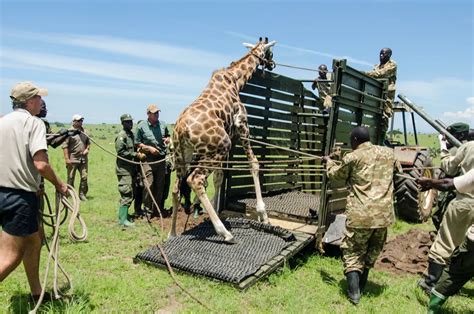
<point>206,128</point>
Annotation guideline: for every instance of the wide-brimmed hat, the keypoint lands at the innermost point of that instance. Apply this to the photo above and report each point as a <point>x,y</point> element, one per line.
<point>77,117</point>
<point>26,90</point>
<point>152,108</point>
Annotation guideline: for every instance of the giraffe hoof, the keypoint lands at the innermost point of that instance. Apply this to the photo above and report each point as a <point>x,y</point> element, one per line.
<point>231,240</point>
<point>171,235</point>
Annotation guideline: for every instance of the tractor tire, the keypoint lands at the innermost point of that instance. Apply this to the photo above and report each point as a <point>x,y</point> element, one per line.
<point>411,204</point>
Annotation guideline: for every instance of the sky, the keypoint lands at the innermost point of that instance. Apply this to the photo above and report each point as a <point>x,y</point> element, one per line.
<point>104,58</point>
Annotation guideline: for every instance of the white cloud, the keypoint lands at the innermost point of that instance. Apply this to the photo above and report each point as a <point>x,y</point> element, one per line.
<point>431,91</point>
<point>303,50</point>
<point>470,100</point>
<point>466,115</point>
<point>141,49</point>
<point>120,71</point>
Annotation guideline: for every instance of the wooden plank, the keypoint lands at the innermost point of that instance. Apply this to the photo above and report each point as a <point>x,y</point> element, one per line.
<point>260,122</point>
<point>271,114</point>
<point>269,93</point>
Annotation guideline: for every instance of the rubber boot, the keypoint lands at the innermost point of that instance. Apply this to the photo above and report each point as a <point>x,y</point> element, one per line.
<point>363,279</point>
<point>353,290</point>
<point>434,272</point>
<point>434,306</point>
<point>123,215</point>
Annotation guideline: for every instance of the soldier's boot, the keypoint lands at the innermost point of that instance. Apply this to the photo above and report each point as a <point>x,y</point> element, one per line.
<point>434,306</point>
<point>363,279</point>
<point>434,272</point>
<point>353,290</point>
<point>123,217</point>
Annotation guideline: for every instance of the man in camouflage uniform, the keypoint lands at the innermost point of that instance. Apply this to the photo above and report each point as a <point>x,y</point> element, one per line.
<point>387,69</point>
<point>151,138</point>
<point>458,217</point>
<point>324,88</point>
<point>461,132</point>
<point>76,152</point>
<point>126,171</point>
<point>461,267</point>
<point>369,170</point>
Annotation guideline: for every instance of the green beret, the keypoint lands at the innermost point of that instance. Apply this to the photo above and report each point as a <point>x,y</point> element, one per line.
<point>126,117</point>
<point>458,127</point>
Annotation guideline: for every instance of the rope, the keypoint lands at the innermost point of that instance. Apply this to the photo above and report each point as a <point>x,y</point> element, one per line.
<point>62,203</point>
<point>296,67</point>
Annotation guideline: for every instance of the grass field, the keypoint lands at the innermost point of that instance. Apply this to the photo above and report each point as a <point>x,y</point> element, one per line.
<point>106,280</point>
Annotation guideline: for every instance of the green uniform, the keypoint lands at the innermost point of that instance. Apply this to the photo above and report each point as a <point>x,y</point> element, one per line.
<point>155,173</point>
<point>456,275</point>
<point>324,91</point>
<point>369,172</point>
<point>386,71</point>
<point>460,213</point>
<point>126,172</point>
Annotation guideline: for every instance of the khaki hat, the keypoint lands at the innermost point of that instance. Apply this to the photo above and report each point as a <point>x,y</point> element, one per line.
<point>126,117</point>
<point>77,117</point>
<point>152,108</point>
<point>26,90</point>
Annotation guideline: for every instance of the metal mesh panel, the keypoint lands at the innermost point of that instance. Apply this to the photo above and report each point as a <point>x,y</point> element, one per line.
<point>201,251</point>
<point>293,203</point>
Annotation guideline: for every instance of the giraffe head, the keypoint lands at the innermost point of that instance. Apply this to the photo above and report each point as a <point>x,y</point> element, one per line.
<point>263,50</point>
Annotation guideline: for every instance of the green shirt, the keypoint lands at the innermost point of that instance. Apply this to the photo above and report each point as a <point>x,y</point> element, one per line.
<point>369,172</point>
<point>125,148</point>
<point>152,135</point>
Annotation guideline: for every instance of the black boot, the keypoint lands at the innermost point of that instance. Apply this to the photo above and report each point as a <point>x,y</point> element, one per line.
<point>363,279</point>
<point>353,290</point>
<point>434,272</point>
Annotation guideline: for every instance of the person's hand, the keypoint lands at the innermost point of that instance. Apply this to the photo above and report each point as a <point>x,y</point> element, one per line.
<point>443,144</point>
<point>424,183</point>
<point>141,156</point>
<point>85,152</point>
<point>153,150</point>
<point>166,140</point>
<point>314,85</point>
<point>336,152</point>
<point>68,162</point>
<point>62,188</point>
<point>325,159</point>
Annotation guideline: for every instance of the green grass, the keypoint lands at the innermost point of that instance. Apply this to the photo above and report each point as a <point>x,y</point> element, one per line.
<point>106,279</point>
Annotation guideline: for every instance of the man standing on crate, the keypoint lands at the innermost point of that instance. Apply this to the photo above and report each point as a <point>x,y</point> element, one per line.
<point>387,69</point>
<point>369,171</point>
<point>324,87</point>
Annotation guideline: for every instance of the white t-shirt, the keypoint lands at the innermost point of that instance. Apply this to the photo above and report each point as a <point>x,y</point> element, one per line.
<point>465,183</point>
<point>21,136</point>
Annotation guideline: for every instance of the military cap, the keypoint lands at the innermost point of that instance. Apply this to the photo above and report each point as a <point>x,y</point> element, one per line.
<point>458,127</point>
<point>126,117</point>
<point>26,90</point>
<point>152,108</point>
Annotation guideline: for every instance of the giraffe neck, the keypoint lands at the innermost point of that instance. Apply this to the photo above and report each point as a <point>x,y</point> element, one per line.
<point>243,69</point>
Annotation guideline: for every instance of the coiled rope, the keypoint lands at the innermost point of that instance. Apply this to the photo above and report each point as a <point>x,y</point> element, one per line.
<point>62,207</point>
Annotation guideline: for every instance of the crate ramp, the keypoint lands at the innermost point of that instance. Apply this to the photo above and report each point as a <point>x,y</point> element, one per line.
<point>261,249</point>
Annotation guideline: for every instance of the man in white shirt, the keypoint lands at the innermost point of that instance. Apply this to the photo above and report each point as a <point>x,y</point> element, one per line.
<point>24,161</point>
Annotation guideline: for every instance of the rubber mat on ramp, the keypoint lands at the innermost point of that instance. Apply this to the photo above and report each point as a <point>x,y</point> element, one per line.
<point>201,251</point>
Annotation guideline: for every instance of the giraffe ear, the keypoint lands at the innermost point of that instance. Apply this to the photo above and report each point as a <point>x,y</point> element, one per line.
<point>266,40</point>
<point>260,39</point>
<point>250,46</point>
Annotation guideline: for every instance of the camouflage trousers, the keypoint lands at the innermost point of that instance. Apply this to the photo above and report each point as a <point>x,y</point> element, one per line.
<point>457,220</point>
<point>361,247</point>
<point>460,271</point>
<point>125,187</point>
<point>71,175</point>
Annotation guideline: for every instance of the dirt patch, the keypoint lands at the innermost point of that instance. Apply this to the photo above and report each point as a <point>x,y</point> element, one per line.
<point>184,220</point>
<point>407,253</point>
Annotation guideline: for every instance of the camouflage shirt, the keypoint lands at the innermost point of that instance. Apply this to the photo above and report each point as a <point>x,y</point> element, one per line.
<point>125,148</point>
<point>324,90</point>
<point>386,71</point>
<point>460,163</point>
<point>369,172</point>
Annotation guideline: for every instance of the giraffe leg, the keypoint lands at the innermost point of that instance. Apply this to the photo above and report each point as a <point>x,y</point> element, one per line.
<point>243,130</point>
<point>218,179</point>
<point>196,180</point>
<point>176,202</point>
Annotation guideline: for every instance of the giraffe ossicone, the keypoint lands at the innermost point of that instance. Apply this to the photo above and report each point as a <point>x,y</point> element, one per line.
<point>205,130</point>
